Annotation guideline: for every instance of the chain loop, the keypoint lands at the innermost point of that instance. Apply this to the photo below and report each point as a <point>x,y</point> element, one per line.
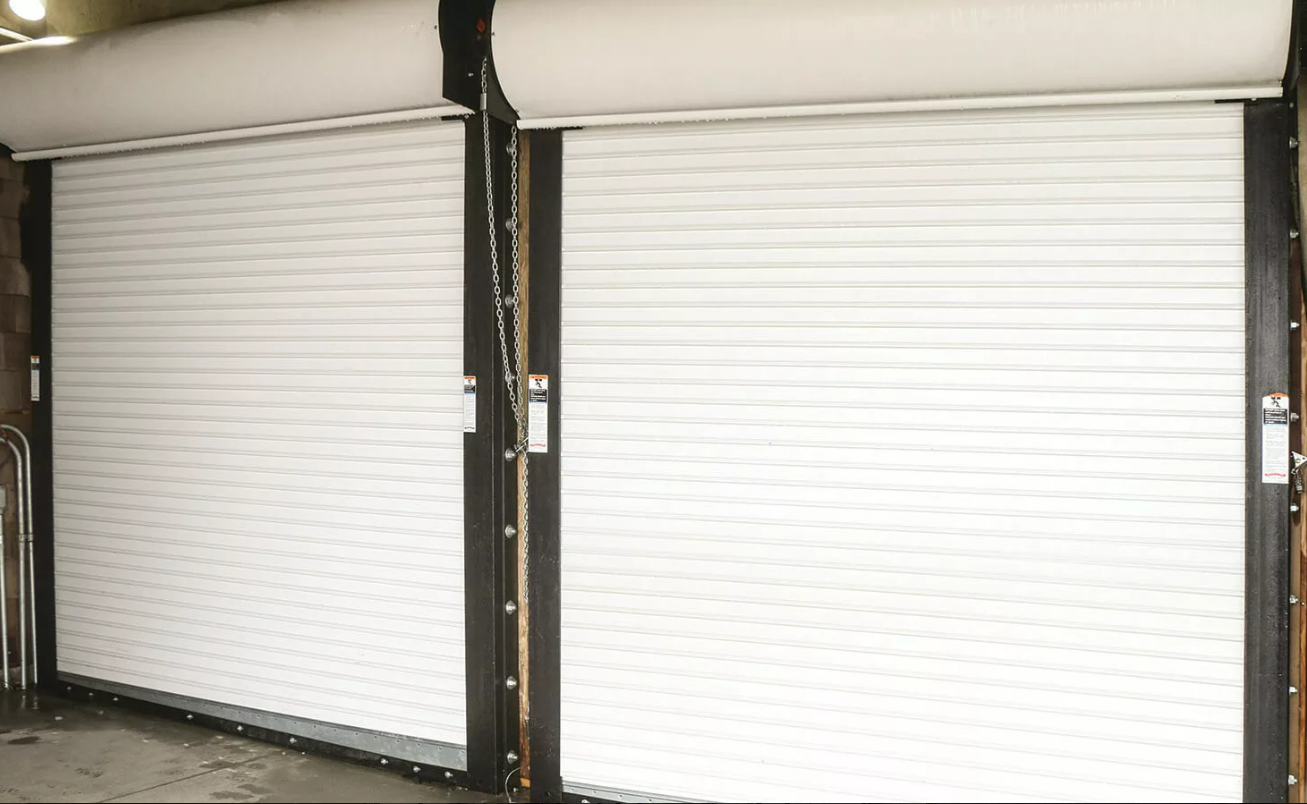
<point>514,370</point>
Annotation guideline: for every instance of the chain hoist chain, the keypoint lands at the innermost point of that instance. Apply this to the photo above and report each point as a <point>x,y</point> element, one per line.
<point>514,374</point>
<point>515,299</point>
<point>512,382</point>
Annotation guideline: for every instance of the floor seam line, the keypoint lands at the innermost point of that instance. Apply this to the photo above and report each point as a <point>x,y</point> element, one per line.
<point>271,751</point>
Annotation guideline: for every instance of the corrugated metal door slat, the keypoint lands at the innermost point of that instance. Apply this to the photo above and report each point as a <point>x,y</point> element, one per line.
<point>904,457</point>
<point>258,434</point>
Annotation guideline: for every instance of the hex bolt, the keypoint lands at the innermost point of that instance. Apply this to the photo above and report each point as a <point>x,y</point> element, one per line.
<point>1293,417</point>
<point>190,717</point>
<point>510,454</point>
<point>385,761</point>
<point>1293,142</point>
<point>292,741</point>
<point>510,608</point>
<point>1293,325</point>
<point>115,700</point>
<point>240,728</point>
<point>417,769</point>
<point>510,531</point>
<point>511,756</point>
<point>510,300</point>
<point>511,683</point>
<point>449,774</point>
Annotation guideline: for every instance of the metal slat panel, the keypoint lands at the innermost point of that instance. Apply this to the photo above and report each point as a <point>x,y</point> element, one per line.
<point>904,457</point>
<point>258,430</point>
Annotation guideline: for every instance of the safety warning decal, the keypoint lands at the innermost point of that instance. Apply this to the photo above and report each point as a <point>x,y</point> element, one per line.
<point>469,404</point>
<point>1275,439</point>
<point>537,413</point>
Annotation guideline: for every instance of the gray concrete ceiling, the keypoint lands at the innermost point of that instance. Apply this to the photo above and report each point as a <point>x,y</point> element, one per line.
<point>73,17</point>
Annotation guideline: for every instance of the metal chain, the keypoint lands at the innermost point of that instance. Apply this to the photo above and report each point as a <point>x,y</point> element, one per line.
<point>519,343</point>
<point>511,382</point>
<point>521,411</point>
<point>514,375</point>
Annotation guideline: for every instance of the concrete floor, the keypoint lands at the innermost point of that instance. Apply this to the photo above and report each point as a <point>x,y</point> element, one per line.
<point>54,750</point>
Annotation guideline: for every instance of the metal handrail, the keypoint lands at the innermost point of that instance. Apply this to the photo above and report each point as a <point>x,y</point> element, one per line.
<point>26,533</point>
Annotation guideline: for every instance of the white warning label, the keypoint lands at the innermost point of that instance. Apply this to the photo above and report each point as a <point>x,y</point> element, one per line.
<point>1275,439</point>
<point>537,413</point>
<point>469,404</point>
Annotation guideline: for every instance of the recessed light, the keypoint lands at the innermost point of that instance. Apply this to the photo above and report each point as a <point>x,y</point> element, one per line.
<point>31,10</point>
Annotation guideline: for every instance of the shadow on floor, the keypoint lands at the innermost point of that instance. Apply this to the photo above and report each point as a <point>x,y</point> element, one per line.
<point>55,751</point>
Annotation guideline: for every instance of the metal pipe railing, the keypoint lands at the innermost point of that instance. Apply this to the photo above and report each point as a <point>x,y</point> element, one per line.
<point>4,598</point>
<point>22,565</point>
<point>26,537</point>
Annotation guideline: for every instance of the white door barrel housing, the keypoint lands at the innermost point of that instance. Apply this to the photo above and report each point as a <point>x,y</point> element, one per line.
<point>218,75</point>
<point>577,62</point>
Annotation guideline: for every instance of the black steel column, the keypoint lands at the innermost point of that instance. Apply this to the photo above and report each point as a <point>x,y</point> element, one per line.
<point>489,482</point>
<point>1268,220</point>
<point>543,572</point>
<point>35,230</point>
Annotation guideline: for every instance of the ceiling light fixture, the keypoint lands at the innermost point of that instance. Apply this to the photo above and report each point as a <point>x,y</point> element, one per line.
<point>30,10</point>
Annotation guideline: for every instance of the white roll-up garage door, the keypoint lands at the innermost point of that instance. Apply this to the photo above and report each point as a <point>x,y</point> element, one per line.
<point>903,457</point>
<point>257,355</point>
